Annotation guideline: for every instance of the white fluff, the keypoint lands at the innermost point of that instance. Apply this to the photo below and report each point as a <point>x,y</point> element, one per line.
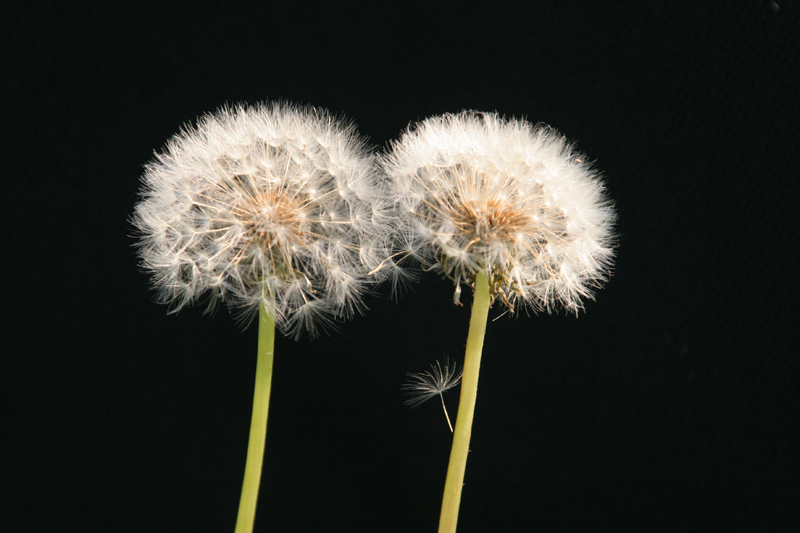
<point>481,193</point>
<point>271,203</point>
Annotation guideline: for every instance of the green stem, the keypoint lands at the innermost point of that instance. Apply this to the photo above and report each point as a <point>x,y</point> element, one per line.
<point>466,406</point>
<point>258,424</point>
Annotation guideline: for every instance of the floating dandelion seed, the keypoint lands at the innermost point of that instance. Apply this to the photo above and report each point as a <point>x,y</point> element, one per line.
<point>425,385</point>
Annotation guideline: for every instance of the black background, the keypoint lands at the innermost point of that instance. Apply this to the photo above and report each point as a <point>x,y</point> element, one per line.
<point>670,405</point>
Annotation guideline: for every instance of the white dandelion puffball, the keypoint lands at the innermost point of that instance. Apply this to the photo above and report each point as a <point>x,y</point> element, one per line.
<point>482,193</point>
<point>273,203</point>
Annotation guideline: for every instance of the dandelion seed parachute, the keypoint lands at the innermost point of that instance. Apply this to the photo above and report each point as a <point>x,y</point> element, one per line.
<point>425,385</point>
<point>478,193</point>
<point>272,203</point>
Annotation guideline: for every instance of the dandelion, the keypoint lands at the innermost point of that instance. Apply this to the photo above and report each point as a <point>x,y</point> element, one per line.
<point>270,205</point>
<point>508,209</point>
<point>425,385</point>
<point>274,209</point>
<point>483,194</point>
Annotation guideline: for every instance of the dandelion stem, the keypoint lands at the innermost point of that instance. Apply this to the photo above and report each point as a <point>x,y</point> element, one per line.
<point>258,424</point>
<point>466,406</point>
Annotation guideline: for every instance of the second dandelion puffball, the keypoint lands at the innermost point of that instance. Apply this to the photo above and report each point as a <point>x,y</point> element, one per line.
<point>479,193</point>
<point>272,204</point>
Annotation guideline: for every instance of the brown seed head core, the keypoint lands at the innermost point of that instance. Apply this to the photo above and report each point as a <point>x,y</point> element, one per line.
<point>489,219</point>
<point>275,220</point>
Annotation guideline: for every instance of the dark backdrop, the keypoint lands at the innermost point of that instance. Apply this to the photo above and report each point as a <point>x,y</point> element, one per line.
<point>669,405</point>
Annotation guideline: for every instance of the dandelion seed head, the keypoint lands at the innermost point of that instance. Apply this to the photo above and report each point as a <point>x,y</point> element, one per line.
<point>482,193</point>
<point>265,204</point>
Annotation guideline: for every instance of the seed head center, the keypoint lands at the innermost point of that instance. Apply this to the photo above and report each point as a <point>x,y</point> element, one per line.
<point>275,219</point>
<point>489,219</point>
